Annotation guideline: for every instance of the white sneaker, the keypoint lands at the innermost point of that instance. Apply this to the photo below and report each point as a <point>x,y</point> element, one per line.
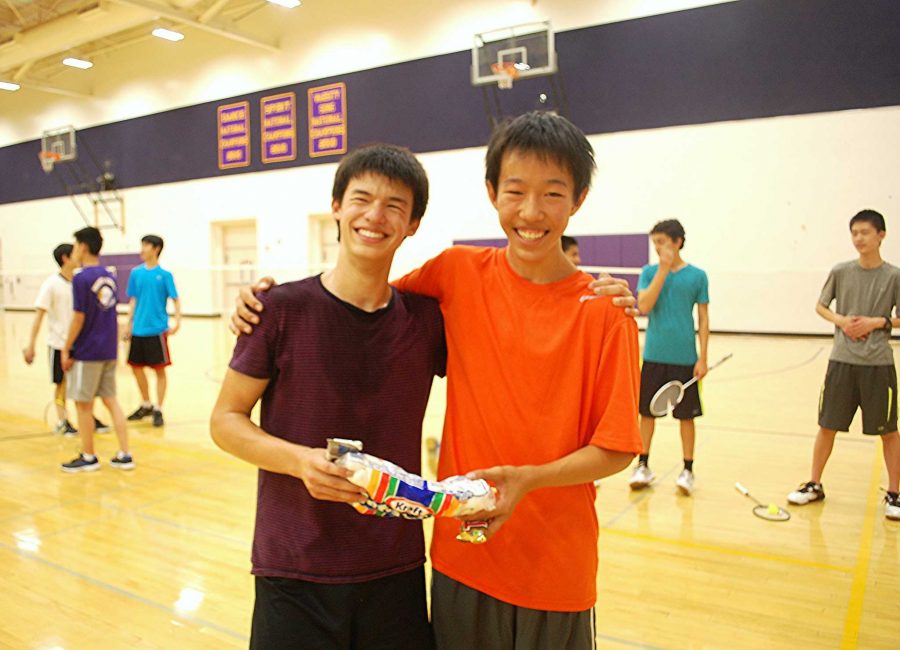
<point>806,493</point>
<point>685,482</point>
<point>892,507</point>
<point>641,477</point>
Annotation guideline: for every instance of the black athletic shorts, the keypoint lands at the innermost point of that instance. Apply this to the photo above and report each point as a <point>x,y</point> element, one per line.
<point>654,375</point>
<point>848,387</point>
<point>150,351</point>
<point>383,614</point>
<point>56,371</point>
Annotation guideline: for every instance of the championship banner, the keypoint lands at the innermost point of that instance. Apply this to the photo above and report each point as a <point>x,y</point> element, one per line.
<point>327,120</point>
<point>278,122</point>
<point>234,135</point>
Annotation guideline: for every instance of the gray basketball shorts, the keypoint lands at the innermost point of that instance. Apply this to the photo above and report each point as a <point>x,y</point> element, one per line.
<point>90,379</point>
<point>463,617</point>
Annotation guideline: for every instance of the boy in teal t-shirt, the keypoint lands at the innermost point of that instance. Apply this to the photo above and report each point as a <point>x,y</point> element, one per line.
<point>150,287</point>
<point>667,293</point>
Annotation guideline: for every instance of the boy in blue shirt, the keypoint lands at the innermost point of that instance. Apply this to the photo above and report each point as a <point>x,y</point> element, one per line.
<point>149,288</point>
<point>667,293</point>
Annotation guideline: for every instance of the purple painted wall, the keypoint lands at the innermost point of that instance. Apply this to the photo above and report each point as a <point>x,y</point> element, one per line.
<point>123,263</point>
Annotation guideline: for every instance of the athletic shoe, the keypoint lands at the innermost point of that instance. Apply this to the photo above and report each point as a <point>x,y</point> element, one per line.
<point>65,428</point>
<point>685,482</point>
<point>141,413</point>
<point>81,464</point>
<point>157,418</point>
<point>892,507</point>
<point>99,427</point>
<point>125,461</point>
<point>806,493</point>
<point>642,477</point>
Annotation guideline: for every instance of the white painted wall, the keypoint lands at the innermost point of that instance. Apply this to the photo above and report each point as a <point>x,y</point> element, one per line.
<point>765,204</point>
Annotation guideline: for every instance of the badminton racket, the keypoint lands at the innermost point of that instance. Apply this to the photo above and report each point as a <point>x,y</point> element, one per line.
<point>770,512</point>
<point>671,393</point>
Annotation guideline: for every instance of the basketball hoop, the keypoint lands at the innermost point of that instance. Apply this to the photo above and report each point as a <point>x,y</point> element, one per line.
<point>508,73</point>
<point>48,159</point>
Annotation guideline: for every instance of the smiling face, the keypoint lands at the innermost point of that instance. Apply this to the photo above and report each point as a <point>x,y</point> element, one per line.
<point>534,199</point>
<point>374,217</point>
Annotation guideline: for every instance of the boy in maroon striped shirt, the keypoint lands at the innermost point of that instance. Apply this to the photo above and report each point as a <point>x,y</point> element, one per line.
<point>341,354</point>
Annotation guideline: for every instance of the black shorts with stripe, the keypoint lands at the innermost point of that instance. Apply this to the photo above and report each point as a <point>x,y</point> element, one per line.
<point>57,376</point>
<point>848,387</point>
<point>655,375</point>
<point>150,351</point>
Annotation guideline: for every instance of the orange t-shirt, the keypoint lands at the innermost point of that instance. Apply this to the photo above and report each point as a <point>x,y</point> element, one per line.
<point>533,374</point>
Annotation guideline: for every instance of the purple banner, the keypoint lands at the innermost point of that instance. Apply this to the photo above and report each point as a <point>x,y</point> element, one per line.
<point>234,135</point>
<point>327,120</point>
<point>278,118</point>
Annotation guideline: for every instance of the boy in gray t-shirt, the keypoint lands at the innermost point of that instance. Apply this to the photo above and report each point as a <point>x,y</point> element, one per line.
<point>861,371</point>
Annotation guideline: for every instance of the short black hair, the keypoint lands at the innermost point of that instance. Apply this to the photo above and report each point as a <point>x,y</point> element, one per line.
<point>91,237</point>
<point>395,163</point>
<point>63,250</point>
<point>670,227</point>
<point>155,241</point>
<point>870,216</point>
<point>547,135</point>
<point>568,242</point>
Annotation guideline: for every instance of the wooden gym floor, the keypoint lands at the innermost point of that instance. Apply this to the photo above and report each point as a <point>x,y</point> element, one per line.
<point>159,557</point>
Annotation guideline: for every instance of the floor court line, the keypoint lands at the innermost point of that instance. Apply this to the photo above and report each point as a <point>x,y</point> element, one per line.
<point>647,491</point>
<point>626,642</point>
<point>192,620</point>
<point>727,550</point>
<point>861,574</point>
<point>849,437</point>
<point>96,499</point>
<point>775,371</point>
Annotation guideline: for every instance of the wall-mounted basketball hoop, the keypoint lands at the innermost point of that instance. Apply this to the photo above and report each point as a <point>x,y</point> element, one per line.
<point>48,159</point>
<point>507,72</point>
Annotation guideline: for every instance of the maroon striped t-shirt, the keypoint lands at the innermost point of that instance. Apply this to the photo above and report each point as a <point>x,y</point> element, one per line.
<point>338,371</point>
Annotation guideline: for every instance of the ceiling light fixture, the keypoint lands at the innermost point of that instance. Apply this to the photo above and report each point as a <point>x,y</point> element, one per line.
<point>168,34</point>
<point>7,85</point>
<point>290,4</point>
<point>77,63</point>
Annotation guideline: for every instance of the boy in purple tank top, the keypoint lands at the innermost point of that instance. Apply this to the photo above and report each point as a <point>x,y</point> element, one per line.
<point>342,354</point>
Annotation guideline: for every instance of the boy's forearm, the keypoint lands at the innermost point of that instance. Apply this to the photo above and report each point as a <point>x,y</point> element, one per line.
<point>703,334</point>
<point>648,297</point>
<point>826,313</point>
<point>74,330</point>
<point>36,326</point>
<point>582,466</point>
<point>177,302</point>
<point>236,434</point>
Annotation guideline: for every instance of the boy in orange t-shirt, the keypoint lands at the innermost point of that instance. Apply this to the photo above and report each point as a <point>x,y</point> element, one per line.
<point>542,399</point>
<point>542,390</point>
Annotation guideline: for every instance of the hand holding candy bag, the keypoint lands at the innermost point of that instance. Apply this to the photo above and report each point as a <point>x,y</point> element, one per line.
<point>394,492</point>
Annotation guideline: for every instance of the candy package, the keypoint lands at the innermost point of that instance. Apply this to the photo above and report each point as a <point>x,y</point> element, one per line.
<point>394,492</point>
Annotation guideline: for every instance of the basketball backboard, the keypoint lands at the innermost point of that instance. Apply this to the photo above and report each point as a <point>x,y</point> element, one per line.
<point>60,141</point>
<point>529,48</point>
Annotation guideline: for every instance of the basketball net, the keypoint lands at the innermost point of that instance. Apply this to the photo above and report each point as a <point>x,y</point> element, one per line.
<point>48,159</point>
<point>509,73</point>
